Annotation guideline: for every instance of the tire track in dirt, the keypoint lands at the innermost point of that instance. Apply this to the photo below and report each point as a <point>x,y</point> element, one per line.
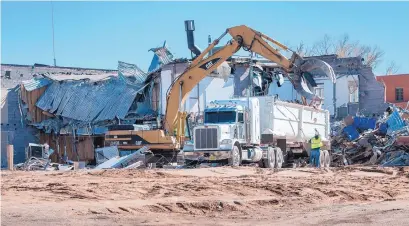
<point>125,192</point>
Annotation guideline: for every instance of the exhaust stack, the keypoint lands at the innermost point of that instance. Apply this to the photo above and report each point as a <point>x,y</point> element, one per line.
<point>190,28</point>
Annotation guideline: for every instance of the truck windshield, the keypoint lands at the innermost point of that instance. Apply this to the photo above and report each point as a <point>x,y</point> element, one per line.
<point>220,117</point>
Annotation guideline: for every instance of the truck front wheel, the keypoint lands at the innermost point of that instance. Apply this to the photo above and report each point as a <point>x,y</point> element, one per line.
<point>235,158</point>
<point>279,158</point>
<point>270,161</point>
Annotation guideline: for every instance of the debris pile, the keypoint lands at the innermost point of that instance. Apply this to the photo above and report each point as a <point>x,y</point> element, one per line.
<point>134,160</point>
<point>107,158</point>
<point>371,141</point>
<point>34,164</point>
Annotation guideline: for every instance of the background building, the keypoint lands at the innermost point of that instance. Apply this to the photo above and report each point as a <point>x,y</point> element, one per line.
<point>396,89</point>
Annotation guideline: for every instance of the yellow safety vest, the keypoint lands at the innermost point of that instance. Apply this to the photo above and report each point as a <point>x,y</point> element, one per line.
<point>315,143</point>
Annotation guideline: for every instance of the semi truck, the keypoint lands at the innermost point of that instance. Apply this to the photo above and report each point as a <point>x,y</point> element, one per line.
<point>260,129</point>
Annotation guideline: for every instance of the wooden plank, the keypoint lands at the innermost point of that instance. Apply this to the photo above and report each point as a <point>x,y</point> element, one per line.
<point>10,156</point>
<point>85,147</point>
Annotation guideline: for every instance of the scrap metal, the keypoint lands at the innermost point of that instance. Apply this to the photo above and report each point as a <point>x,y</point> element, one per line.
<point>370,141</point>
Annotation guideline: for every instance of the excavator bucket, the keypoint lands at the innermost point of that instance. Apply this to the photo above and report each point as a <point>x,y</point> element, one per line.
<point>303,80</point>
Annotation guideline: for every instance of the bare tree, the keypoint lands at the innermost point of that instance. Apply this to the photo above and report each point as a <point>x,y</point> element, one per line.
<point>343,47</point>
<point>303,50</point>
<point>324,46</point>
<point>372,56</point>
<point>392,68</point>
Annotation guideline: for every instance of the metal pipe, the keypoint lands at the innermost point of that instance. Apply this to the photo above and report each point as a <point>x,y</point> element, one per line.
<point>334,99</point>
<point>203,54</point>
<point>190,28</point>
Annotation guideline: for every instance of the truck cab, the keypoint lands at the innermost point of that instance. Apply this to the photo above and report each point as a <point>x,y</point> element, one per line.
<point>230,129</point>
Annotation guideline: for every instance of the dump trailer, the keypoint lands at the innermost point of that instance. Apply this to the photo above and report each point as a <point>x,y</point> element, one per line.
<point>259,129</point>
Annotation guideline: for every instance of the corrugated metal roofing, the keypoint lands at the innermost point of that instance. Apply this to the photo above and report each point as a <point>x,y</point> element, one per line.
<point>155,63</point>
<point>126,69</point>
<point>35,83</point>
<point>90,77</point>
<point>88,102</point>
<point>49,125</point>
<point>164,55</point>
<point>94,130</point>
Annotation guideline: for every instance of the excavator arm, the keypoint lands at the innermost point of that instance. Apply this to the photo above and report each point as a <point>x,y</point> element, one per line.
<point>250,40</point>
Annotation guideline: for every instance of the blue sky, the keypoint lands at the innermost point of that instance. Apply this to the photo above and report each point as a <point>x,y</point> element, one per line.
<point>98,34</point>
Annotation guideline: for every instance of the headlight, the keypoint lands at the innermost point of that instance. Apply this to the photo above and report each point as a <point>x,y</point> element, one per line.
<point>188,142</point>
<point>226,141</point>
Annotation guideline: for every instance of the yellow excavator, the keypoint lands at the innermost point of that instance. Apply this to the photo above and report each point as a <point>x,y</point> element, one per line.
<point>168,140</point>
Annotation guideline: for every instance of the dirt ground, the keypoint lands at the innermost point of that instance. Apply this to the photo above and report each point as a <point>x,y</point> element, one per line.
<point>207,196</point>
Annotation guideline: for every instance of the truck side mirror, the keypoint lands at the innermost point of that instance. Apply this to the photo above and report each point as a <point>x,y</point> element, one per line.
<point>280,80</point>
<point>232,70</point>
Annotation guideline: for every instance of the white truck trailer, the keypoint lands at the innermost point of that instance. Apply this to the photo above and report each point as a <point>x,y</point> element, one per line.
<point>258,129</point>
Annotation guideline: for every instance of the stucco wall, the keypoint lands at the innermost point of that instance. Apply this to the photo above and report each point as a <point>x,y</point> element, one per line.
<point>287,92</point>
<point>210,88</point>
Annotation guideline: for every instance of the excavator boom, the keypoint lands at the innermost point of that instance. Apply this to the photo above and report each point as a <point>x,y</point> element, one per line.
<point>171,137</point>
<point>250,40</point>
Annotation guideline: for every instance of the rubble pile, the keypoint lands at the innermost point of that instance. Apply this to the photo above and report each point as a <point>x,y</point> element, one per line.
<point>371,141</point>
<point>106,158</point>
<point>34,164</point>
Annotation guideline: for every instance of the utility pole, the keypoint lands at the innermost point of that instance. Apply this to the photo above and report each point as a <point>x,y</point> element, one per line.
<point>52,24</point>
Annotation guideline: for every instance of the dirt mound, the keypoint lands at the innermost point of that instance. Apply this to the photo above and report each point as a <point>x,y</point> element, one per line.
<point>245,192</point>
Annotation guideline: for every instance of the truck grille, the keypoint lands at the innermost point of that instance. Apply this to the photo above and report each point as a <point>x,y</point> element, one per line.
<point>206,138</point>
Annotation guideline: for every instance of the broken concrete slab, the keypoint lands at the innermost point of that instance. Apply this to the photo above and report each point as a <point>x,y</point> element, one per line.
<point>79,165</point>
<point>124,161</point>
<point>136,165</point>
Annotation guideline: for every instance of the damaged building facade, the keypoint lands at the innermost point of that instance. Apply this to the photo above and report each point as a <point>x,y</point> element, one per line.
<point>356,89</point>
<point>71,108</point>
<point>14,127</point>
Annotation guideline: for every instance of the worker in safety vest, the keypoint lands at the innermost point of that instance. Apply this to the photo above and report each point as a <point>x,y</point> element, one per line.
<point>315,150</point>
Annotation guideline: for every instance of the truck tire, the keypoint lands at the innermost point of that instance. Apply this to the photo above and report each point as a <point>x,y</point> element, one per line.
<point>322,159</point>
<point>235,158</point>
<point>327,159</point>
<point>270,161</point>
<point>279,158</point>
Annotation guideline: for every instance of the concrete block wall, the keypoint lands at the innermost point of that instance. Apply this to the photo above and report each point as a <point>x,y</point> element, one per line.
<point>13,132</point>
